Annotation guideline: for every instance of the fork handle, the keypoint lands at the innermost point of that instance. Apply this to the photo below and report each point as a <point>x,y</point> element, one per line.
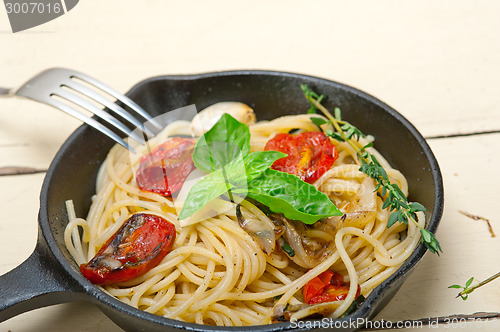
<point>4,92</point>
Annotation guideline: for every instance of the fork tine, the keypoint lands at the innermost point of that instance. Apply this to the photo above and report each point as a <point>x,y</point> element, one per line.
<point>124,99</point>
<point>97,111</point>
<point>107,103</point>
<point>90,121</point>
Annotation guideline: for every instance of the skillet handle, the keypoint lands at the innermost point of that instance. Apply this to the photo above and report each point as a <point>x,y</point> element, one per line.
<point>38,282</point>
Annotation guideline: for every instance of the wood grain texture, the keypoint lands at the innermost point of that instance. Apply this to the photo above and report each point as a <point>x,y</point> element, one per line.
<point>434,62</point>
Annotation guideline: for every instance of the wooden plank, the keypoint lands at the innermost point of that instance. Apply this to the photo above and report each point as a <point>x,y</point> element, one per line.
<point>18,228</point>
<point>468,165</point>
<point>76,316</point>
<point>31,133</point>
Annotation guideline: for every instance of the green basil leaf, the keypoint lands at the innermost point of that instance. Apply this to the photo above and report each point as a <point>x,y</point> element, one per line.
<point>227,139</point>
<point>258,162</point>
<point>215,184</point>
<point>235,174</point>
<point>210,187</point>
<point>287,194</point>
<point>224,151</point>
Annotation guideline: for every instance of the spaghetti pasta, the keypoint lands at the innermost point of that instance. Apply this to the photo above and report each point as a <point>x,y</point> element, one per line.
<point>217,274</point>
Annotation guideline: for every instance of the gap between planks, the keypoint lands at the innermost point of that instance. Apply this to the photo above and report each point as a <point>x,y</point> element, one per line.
<point>477,133</point>
<point>432,321</point>
<point>20,170</point>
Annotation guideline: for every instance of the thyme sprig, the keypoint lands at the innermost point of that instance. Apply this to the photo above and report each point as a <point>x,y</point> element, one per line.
<point>467,289</point>
<point>314,96</point>
<point>402,210</point>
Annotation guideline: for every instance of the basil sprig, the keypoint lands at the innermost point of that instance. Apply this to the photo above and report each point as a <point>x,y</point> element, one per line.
<point>224,152</point>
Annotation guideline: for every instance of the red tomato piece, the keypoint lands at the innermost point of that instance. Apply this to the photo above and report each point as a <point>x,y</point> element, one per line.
<point>327,287</point>
<point>310,154</point>
<point>327,276</point>
<point>333,293</point>
<point>314,287</point>
<point>337,279</point>
<point>138,246</point>
<point>165,169</point>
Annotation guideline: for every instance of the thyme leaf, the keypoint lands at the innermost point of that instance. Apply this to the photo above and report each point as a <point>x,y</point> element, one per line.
<point>311,95</point>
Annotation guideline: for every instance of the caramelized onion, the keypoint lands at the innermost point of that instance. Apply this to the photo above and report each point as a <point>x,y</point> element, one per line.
<point>262,231</point>
<point>361,209</point>
<point>309,251</point>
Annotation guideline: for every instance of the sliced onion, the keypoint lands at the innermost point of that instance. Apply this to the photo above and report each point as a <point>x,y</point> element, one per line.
<point>261,230</point>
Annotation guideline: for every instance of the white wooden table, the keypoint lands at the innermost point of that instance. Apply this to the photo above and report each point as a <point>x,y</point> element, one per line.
<point>436,62</point>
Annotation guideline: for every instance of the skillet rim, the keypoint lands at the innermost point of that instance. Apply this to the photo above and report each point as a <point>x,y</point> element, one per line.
<point>366,310</point>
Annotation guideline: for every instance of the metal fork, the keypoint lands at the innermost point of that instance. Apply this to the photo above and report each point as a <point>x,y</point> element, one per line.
<point>52,85</point>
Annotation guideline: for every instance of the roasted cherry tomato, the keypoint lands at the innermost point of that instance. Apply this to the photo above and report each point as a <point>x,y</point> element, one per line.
<point>316,285</point>
<point>138,246</point>
<point>165,169</point>
<point>310,154</point>
<point>329,286</point>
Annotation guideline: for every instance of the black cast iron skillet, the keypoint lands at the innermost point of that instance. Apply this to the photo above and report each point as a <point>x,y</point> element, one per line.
<point>50,275</point>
